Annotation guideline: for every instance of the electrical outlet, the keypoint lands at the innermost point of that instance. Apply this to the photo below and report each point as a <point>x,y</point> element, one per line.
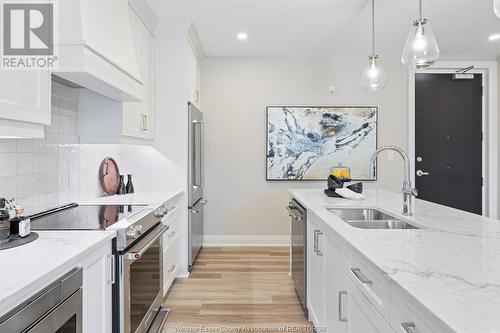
<point>331,90</point>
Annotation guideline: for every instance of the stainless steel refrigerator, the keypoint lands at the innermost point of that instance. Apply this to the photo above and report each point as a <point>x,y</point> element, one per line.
<point>196,202</point>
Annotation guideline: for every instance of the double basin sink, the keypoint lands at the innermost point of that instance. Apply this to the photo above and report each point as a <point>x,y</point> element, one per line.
<point>369,218</point>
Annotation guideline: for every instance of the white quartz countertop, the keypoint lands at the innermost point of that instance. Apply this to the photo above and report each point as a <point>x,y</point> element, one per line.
<point>451,266</point>
<point>27,269</point>
<point>143,198</point>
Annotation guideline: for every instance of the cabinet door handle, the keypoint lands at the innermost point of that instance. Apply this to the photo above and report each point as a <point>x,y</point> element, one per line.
<point>315,241</point>
<point>113,269</point>
<point>361,277</point>
<point>341,293</point>
<point>319,253</point>
<point>317,233</point>
<point>408,326</point>
<point>144,126</point>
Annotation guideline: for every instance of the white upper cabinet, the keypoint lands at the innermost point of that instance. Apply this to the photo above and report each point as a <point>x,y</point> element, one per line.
<point>24,103</point>
<point>194,76</point>
<point>138,116</point>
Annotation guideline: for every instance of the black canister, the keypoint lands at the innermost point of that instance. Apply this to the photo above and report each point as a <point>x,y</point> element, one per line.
<point>121,186</point>
<point>130,186</point>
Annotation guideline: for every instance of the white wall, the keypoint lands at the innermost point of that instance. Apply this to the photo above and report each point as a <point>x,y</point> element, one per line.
<point>236,92</point>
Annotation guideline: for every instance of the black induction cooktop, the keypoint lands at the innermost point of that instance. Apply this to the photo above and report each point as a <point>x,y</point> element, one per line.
<point>77,217</point>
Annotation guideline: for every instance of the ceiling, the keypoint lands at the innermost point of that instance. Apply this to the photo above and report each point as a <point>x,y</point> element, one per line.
<point>333,27</point>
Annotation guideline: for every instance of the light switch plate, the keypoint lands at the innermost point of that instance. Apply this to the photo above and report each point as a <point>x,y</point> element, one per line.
<point>331,90</point>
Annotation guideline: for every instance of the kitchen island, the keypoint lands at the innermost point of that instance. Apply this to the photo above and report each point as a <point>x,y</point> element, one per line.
<point>443,277</point>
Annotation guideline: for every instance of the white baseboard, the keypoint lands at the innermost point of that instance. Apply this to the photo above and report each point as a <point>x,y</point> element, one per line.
<point>246,240</point>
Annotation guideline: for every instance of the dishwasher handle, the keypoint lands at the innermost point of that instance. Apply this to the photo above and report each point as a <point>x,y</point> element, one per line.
<point>291,213</point>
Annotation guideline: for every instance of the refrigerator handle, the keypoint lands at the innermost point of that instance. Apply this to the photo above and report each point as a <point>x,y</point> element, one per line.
<point>198,154</point>
<point>196,209</point>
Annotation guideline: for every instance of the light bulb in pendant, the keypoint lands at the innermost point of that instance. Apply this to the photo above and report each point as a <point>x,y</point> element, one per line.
<point>421,49</point>
<point>374,77</point>
<point>496,7</point>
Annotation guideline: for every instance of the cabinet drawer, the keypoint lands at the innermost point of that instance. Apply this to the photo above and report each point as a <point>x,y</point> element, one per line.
<point>404,312</point>
<point>171,262</point>
<point>372,284</point>
<point>173,216</point>
<point>170,235</point>
<point>362,316</point>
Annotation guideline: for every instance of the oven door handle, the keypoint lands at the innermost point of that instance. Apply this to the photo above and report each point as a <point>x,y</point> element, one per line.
<point>135,255</point>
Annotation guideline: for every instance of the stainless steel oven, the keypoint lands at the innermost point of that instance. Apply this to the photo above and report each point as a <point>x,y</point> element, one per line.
<point>140,276</point>
<point>298,215</point>
<point>56,309</point>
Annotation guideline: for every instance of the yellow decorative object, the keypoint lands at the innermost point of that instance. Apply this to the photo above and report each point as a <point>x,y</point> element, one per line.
<point>341,172</point>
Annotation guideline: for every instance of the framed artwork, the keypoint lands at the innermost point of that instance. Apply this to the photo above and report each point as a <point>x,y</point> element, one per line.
<point>304,142</point>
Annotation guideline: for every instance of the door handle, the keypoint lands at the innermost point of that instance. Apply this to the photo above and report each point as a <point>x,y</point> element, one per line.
<point>421,173</point>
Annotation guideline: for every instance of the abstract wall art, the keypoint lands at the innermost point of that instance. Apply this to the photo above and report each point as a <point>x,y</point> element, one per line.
<point>303,143</point>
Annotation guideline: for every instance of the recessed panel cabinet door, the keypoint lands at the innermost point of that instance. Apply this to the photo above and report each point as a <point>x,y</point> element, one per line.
<point>25,96</point>
<point>335,289</point>
<point>362,316</point>
<point>138,116</point>
<point>316,274</point>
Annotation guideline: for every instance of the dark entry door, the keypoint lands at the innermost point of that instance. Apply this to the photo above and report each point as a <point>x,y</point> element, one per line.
<point>448,140</point>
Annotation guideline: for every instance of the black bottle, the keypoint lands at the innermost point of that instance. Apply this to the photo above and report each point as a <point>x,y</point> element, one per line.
<point>121,186</point>
<point>130,187</point>
<point>4,222</point>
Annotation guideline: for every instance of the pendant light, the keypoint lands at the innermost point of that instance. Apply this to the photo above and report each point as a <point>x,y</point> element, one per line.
<point>421,49</point>
<point>496,7</point>
<point>374,77</point>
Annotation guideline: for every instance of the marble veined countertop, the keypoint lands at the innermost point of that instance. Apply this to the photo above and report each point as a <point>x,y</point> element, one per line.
<point>143,198</point>
<point>451,266</point>
<point>27,269</point>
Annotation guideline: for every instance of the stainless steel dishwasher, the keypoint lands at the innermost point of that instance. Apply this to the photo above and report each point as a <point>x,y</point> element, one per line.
<point>298,216</point>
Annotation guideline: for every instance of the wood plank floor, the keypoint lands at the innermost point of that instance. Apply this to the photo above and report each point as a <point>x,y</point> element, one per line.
<point>236,289</point>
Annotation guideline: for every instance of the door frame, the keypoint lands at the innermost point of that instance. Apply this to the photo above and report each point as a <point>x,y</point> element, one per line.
<point>488,69</point>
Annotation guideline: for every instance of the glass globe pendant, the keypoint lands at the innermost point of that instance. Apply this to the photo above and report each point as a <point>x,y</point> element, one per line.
<point>421,49</point>
<point>496,7</point>
<point>374,77</point>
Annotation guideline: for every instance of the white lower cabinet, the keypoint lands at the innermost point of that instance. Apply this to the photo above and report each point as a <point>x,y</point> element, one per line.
<point>335,289</point>
<point>171,243</point>
<point>362,317</point>
<point>348,294</point>
<point>315,274</point>
<point>97,285</point>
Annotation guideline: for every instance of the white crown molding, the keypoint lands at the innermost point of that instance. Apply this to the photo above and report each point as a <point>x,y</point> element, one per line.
<point>145,13</point>
<point>246,240</point>
<point>195,43</point>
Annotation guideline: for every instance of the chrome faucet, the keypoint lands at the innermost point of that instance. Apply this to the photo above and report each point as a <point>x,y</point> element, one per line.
<point>408,190</point>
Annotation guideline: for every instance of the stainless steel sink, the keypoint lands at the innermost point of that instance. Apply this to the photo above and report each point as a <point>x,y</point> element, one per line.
<point>368,218</point>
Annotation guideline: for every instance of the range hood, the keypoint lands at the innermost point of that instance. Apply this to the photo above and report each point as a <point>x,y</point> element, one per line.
<point>95,48</point>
